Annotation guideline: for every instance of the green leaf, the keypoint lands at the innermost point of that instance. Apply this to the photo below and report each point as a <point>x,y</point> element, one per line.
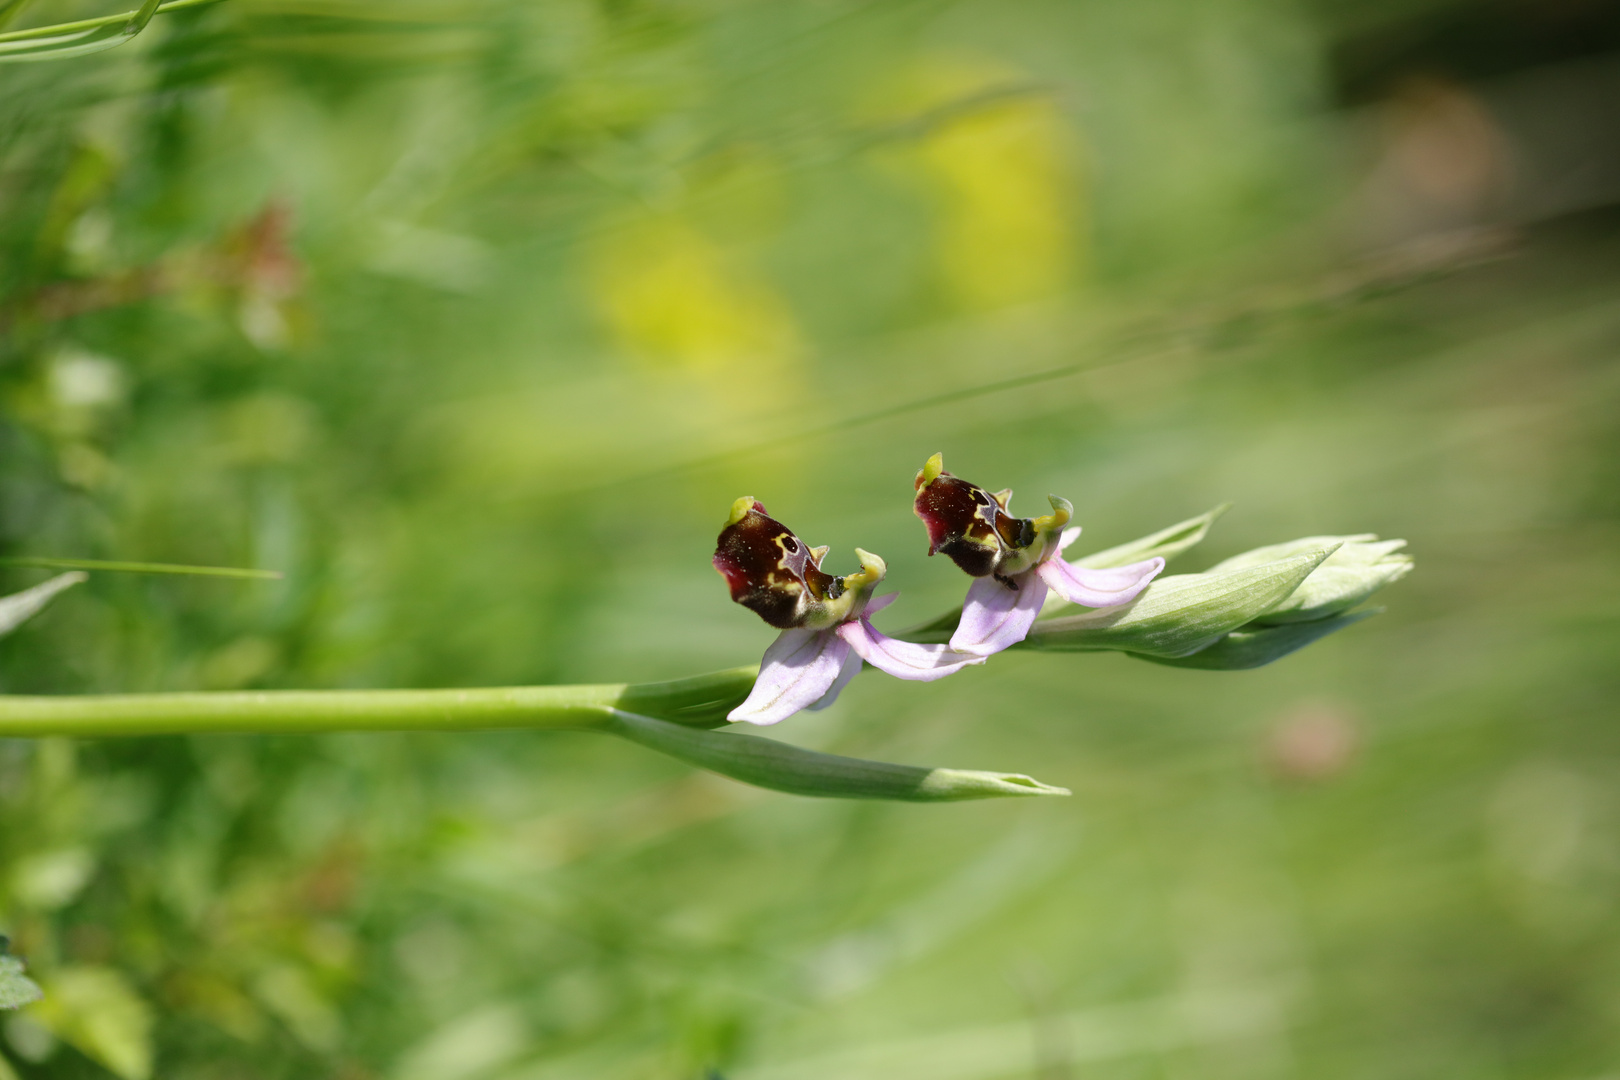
<point>16,989</point>
<point>1166,543</point>
<point>770,764</point>
<point>1256,646</point>
<point>18,608</point>
<point>1178,615</point>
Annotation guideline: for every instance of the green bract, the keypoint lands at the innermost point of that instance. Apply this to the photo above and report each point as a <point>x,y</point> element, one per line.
<point>1166,543</point>
<point>1256,646</point>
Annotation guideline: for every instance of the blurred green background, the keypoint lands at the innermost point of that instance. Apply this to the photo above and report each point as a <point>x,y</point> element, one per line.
<point>473,316</point>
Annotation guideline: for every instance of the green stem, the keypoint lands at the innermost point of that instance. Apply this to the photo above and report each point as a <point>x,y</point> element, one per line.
<point>287,712</point>
<point>701,701</point>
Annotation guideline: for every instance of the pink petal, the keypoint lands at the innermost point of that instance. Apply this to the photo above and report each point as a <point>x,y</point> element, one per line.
<point>878,603</point>
<point>1099,588</point>
<point>850,669</point>
<point>902,659</point>
<point>798,670</point>
<point>1067,537</point>
<point>995,617</point>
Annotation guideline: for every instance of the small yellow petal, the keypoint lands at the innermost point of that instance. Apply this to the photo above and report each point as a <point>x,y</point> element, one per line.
<point>1062,513</point>
<point>931,470</point>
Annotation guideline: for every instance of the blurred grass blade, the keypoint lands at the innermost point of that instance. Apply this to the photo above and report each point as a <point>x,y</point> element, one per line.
<point>770,764</point>
<point>20,607</point>
<point>1166,543</point>
<point>1257,646</point>
<point>1177,616</point>
<point>10,9</point>
<point>63,40</point>
<point>43,563</point>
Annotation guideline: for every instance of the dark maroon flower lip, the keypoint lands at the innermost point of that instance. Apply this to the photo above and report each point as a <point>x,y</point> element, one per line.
<point>969,524</point>
<point>773,573</point>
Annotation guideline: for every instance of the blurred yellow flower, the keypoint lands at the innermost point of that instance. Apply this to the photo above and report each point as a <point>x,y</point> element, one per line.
<point>1002,166</point>
<point>673,298</point>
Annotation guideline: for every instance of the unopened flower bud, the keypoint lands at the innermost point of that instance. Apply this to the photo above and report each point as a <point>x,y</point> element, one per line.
<point>1361,566</point>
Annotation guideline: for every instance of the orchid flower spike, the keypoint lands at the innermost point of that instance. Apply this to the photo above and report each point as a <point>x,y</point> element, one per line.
<point>1014,559</point>
<point>826,632</point>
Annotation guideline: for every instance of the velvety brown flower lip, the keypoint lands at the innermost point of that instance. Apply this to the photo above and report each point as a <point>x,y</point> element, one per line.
<point>969,524</point>
<point>771,571</point>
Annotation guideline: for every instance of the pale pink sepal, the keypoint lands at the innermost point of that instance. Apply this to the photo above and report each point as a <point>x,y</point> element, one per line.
<point>902,659</point>
<point>798,670</point>
<point>850,669</point>
<point>878,603</point>
<point>1099,588</point>
<point>995,617</point>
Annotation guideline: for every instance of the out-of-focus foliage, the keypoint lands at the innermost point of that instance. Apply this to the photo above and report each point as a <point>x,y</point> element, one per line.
<point>473,316</point>
<point>16,989</point>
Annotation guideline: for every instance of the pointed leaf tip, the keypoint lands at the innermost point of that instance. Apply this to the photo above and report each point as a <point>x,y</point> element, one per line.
<point>18,608</point>
<point>778,766</point>
<point>1167,543</point>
